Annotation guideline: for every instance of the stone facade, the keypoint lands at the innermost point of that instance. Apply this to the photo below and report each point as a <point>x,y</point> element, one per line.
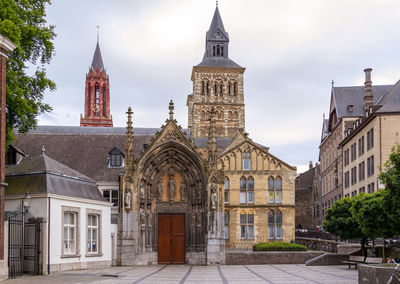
<point>259,199</point>
<point>368,159</point>
<point>219,88</point>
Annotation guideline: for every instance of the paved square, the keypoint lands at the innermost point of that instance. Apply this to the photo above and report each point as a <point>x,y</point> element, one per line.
<point>235,274</point>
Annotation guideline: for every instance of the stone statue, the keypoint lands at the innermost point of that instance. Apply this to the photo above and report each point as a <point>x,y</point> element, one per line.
<point>159,191</point>
<point>142,216</point>
<point>214,198</point>
<point>142,192</point>
<point>183,191</point>
<point>171,189</point>
<point>128,198</point>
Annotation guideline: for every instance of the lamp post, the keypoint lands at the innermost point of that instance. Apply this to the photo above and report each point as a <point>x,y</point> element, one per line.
<point>26,204</point>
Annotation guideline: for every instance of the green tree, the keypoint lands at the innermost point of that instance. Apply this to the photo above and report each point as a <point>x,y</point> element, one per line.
<point>340,221</point>
<point>24,23</point>
<point>390,177</point>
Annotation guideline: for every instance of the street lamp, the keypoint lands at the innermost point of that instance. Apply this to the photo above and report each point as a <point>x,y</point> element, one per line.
<point>27,202</point>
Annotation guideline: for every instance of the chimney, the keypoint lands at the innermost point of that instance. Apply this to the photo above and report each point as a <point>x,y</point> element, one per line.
<point>310,165</point>
<point>368,98</point>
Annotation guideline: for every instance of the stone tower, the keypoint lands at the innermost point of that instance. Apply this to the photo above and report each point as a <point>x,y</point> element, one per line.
<point>97,94</point>
<point>217,82</point>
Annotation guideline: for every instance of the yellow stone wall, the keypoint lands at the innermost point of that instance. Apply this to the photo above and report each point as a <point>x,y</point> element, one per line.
<point>386,134</point>
<point>263,165</point>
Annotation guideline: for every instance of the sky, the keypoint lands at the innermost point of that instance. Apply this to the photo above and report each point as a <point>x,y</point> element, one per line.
<point>292,50</point>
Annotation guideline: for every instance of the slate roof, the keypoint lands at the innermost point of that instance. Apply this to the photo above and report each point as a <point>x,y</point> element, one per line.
<point>218,62</point>
<point>216,24</point>
<point>97,61</point>
<point>43,174</point>
<point>354,95</point>
<point>391,101</point>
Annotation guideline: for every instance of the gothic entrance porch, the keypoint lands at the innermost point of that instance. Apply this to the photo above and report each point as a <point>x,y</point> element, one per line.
<point>171,238</point>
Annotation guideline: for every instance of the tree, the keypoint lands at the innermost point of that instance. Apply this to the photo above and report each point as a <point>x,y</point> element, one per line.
<point>340,221</point>
<point>23,22</point>
<point>390,177</point>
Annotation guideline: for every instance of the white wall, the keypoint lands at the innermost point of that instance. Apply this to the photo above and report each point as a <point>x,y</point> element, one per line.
<point>56,219</point>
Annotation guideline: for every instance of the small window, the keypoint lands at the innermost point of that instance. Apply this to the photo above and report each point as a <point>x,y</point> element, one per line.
<point>278,183</point>
<point>93,233</point>
<point>270,183</point>
<point>70,232</point>
<point>112,196</point>
<point>226,225</point>
<point>271,225</point>
<point>278,221</point>
<point>246,161</point>
<point>116,158</point>
<point>226,190</point>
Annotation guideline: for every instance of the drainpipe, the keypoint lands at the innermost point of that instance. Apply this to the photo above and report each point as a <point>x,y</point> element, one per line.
<point>48,241</point>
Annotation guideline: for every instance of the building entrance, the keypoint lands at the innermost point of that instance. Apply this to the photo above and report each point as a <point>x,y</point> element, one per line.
<point>171,238</point>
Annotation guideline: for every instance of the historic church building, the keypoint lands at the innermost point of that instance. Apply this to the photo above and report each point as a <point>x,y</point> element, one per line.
<point>178,195</point>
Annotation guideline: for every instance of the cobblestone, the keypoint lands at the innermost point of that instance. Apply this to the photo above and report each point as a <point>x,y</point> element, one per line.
<point>224,274</point>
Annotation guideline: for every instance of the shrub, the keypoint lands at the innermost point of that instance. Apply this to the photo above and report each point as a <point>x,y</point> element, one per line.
<point>278,246</point>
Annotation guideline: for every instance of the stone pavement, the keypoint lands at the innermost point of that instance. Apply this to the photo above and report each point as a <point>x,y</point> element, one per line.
<point>249,274</point>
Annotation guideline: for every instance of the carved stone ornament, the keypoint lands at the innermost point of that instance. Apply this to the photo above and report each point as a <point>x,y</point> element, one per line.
<point>172,135</point>
<point>214,198</point>
<point>128,198</point>
<point>159,191</point>
<point>171,189</point>
<point>183,192</point>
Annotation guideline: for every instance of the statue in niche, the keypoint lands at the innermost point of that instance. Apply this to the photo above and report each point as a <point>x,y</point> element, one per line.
<point>128,198</point>
<point>214,197</point>
<point>183,191</point>
<point>142,191</point>
<point>171,189</point>
<point>142,216</point>
<point>159,191</point>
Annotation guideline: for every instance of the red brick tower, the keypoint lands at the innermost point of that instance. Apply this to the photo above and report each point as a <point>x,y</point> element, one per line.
<point>97,94</point>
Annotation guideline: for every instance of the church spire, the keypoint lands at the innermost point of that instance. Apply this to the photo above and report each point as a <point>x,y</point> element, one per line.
<point>97,61</point>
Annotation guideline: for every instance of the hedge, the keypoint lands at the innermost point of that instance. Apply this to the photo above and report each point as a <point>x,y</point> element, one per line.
<point>278,246</point>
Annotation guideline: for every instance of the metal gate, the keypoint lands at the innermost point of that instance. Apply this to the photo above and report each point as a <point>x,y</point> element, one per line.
<point>23,244</point>
<point>16,244</point>
<point>31,247</point>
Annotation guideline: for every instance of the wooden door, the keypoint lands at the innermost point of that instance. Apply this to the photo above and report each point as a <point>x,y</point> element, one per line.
<point>171,238</point>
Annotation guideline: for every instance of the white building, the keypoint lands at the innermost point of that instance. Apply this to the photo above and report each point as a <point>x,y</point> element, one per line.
<point>74,217</point>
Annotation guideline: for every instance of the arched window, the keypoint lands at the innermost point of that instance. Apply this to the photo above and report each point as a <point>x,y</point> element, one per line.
<point>226,190</point>
<point>215,89</point>
<point>226,225</point>
<point>278,225</point>
<point>242,190</point>
<point>278,190</point>
<point>218,50</point>
<point>222,51</point>
<point>246,161</point>
<point>230,115</point>
<point>271,225</point>
<point>271,182</point>
<point>235,88</point>
<point>220,88</point>
<point>246,226</point>
<point>214,50</point>
<point>207,88</point>
<point>229,88</point>
<point>235,115</point>
<point>203,87</point>
<point>250,190</point>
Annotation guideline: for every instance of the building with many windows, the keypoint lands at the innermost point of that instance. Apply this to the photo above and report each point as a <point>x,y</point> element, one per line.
<point>178,195</point>
<point>369,141</point>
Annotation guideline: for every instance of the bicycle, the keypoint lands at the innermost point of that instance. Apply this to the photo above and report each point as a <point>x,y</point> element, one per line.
<point>395,274</point>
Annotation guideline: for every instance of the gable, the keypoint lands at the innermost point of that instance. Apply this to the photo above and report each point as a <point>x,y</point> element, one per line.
<point>218,36</point>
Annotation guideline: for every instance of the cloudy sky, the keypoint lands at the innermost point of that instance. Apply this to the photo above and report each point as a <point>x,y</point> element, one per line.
<point>291,50</point>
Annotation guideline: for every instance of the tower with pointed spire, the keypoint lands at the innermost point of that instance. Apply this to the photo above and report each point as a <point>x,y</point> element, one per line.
<point>217,82</point>
<point>97,94</point>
